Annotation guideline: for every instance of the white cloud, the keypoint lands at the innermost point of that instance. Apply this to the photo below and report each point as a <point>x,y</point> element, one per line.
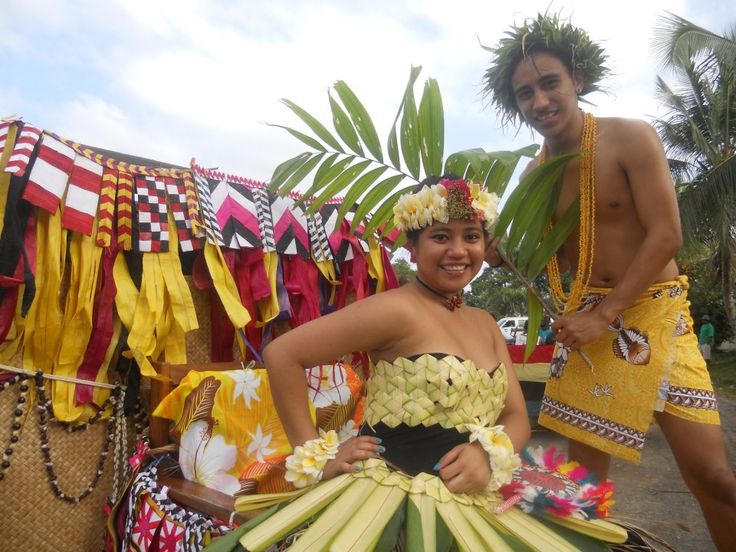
<point>175,79</point>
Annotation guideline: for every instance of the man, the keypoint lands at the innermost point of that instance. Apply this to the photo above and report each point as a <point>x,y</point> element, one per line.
<point>706,337</point>
<point>627,308</point>
<point>546,333</point>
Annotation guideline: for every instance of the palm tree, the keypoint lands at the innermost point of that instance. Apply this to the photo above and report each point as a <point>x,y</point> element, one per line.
<point>699,135</point>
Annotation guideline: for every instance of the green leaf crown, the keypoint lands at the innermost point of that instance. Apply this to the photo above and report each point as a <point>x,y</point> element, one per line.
<point>584,58</point>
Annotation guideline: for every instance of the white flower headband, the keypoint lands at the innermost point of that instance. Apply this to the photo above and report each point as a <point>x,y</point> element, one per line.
<point>449,199</point>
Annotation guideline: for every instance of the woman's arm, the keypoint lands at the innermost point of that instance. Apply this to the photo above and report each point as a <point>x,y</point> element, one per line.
<point>360,326</point>
<point>466,469</point>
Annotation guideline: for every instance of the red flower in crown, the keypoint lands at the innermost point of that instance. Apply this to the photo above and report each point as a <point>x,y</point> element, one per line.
<point>459,199</point>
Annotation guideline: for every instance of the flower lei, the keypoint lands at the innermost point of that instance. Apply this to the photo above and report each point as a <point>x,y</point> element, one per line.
<point>306,464</point>
<point>500,449</point>
<point>548,484</point>
<point>449,199</point>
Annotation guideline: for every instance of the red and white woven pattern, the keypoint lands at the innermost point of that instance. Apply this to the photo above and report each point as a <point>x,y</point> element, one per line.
<point>24,145</point>
<point>177,195</point>
<point>150,203</point>
<point>82,196</point>
<point>49,175</point>
<point>4,129</point>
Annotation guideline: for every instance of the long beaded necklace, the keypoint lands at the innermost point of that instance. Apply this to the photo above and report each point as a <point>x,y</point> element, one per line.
<point>451,303</point>
<point>45,414</point>
<point>586,238</point>
<point>18,415</point>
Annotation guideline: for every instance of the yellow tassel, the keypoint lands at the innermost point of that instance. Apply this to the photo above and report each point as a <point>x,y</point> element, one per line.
<point>43,322</point>
<point>375,263</point>
<point>268,308</point>
<point>225,286</point>
<point>5,177</point>
<point>84,259</point>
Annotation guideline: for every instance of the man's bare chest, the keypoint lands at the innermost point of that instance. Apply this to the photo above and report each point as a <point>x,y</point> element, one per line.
<point>611,189</point>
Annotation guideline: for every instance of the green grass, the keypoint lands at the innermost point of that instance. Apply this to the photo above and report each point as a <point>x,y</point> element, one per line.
<point>723,372</point>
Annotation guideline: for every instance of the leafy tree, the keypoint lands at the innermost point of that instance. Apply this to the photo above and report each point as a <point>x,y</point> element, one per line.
<point>705,297</point>
<point>699,136</point>
<point>499,292</point>
<point>404,272</point>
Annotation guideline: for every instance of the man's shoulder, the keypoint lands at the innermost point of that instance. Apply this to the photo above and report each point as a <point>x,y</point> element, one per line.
<point>623,125</point>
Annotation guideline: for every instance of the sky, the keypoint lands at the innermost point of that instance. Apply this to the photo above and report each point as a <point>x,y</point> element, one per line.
<point>173,80</point>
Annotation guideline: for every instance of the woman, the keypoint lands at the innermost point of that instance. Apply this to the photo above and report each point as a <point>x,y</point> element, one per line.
<point>444,409</point>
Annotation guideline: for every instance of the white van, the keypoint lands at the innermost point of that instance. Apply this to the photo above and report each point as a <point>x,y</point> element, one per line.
<point>511,326</point>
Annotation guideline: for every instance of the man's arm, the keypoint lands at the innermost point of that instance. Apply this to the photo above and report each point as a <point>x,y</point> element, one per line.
<point>642,158</point>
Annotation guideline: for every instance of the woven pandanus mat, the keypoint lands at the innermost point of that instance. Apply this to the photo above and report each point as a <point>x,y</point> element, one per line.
<point>31,517</point>
<point>198,341</point>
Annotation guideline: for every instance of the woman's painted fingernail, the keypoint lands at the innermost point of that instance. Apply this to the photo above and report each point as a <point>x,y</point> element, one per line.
<point>356,468</point>
<point>437,466</point>
<point>381,450</point>
<point>377,440</point>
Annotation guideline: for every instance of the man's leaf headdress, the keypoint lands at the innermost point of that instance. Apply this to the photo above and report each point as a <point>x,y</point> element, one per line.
<point>583,57</point>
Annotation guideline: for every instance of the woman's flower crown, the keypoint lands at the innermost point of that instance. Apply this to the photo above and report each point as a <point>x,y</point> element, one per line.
<point>449,199</point>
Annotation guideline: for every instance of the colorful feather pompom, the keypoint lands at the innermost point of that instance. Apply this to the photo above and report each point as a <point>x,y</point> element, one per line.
<point>546,483</point>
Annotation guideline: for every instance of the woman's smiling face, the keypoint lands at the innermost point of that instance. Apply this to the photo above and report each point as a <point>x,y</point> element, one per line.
<point>449,255</point>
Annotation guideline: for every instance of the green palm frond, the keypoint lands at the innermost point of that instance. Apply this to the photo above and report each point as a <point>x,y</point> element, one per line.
<point>677,41</point>
<point>351,161</point>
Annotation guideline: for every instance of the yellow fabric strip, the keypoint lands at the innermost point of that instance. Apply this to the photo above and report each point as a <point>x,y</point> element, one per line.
<point>148,310</point>
<point>43,322</point>
<point>177,289</point>
<point>164,310</point>
<point>5,177</point>
<point>126,296</point>
<point>13,341</point>
<point>100,395</point>
<point>268,308</point>
<point>225,285</point>
<point>84,259</point>
<point>375,263</point>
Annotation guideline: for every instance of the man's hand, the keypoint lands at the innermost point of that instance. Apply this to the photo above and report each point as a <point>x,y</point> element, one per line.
<point>579,328</point>
<point>465,469</point>
<point>493,257</point>
<point>352,450</point>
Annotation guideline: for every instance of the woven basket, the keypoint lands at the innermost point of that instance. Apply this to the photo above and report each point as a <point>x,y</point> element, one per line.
<point>31,517</point>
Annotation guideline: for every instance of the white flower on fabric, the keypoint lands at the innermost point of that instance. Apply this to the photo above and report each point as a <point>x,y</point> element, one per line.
<point>304,467</point>
<point>259,444</point>
<point>247,383</point>
<point>328,385</point>
<point>207,459</point>
<point>347,431</point>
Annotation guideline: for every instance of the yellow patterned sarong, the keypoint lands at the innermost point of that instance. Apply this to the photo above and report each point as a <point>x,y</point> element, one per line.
<point>647,361</point>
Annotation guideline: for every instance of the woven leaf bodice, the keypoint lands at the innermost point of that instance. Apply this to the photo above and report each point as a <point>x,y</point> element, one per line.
<point>433,389</point>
